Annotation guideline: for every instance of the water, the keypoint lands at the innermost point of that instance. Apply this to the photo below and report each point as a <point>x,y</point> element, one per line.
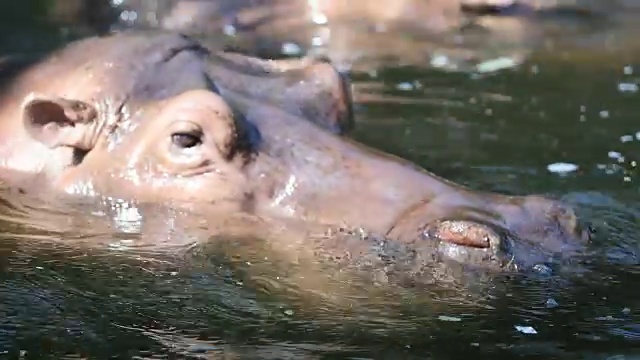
<point>571,101</point>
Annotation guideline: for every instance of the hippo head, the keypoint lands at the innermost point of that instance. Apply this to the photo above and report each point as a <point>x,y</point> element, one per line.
<point>183,148</point>
<point>241,134</point>
<point>162,125</point>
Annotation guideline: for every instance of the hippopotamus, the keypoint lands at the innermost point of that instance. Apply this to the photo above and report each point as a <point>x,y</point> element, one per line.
<point>461,35</point>
<point>212,16</point>
<point>157,117</point>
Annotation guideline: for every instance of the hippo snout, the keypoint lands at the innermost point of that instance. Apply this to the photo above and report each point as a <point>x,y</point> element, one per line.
<point>542,232</point>
<point>520,233</point>
<point>549,223</point>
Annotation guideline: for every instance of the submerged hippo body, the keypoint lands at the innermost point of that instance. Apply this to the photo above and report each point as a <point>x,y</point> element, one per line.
<point>212,16</point>
<point>456,35</point>
<point>157,117</point>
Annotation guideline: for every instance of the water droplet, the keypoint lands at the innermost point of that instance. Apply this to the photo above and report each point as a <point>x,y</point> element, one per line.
<point>229,30</point>
<point>319,18</point>
<point>439,61</point>
<point>291,49</point>
<point>317,41</point>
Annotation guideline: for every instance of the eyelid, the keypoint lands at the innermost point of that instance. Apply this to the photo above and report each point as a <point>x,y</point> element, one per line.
<point>186,127</point>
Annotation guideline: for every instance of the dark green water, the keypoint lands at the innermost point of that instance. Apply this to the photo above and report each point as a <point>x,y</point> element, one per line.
<point>572,101</point>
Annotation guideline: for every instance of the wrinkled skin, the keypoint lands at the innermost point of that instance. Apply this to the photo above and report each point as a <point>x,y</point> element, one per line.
<point>158,118</point>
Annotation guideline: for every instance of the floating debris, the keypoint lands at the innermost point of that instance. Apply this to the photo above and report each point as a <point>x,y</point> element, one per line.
<point>405,86</point>
<point>562,168</point>
<point>529,330</point>
<point>550,304</point>
<point>615,155</point>
<point>449,318</point>
<point>494,65</point>
<point>610,169</point>
<point>626,138</point>
<point>604,114</point>
<point>288,312</point>
<point>628,87</point>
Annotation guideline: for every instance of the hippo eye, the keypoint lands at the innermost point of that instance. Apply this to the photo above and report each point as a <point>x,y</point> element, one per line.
<point>186,140</point>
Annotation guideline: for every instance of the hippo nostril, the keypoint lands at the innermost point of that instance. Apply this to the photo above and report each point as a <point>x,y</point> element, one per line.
<point>587,232</point>
<point>463,233</point>
<point>470,243</point>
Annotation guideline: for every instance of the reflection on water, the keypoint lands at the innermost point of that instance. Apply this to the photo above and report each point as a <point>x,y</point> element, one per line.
<point>112,278</point>
<point>69,285</point>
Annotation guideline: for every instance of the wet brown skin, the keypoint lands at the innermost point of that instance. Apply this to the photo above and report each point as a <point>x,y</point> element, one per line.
<point>158,118</point>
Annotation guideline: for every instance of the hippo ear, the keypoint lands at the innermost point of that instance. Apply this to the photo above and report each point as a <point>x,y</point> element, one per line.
<point>57,121</point>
